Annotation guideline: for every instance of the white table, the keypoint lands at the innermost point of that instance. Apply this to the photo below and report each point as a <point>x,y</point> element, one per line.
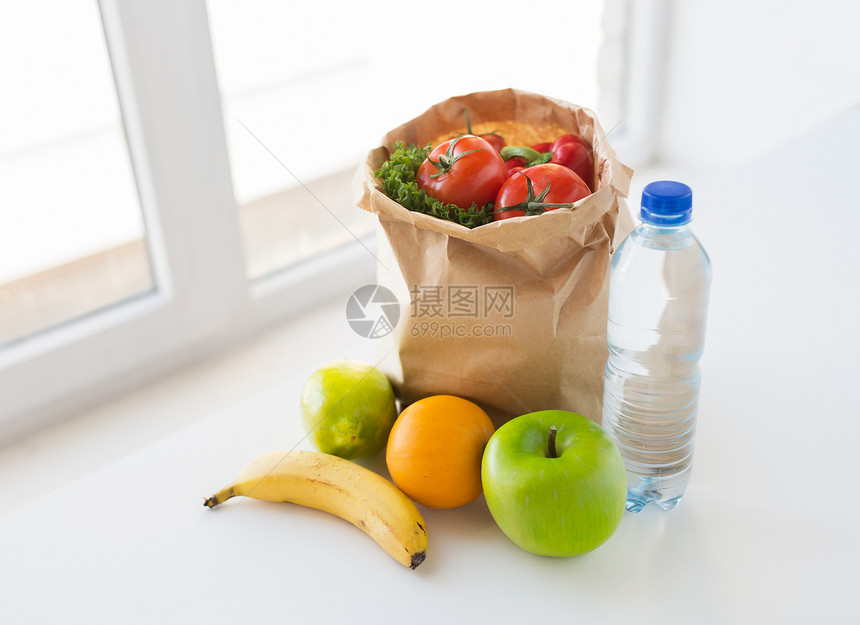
<point>767,532</point>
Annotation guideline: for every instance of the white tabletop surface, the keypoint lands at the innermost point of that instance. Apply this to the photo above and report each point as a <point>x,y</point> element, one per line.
<point>767,533</point>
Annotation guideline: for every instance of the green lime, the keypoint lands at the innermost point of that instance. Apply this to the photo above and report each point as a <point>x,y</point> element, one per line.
<point>348,409</point>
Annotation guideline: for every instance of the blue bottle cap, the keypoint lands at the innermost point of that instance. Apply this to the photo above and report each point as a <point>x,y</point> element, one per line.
<point>667,203</point>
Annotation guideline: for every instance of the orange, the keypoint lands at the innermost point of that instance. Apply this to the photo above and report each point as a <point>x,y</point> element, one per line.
<point>435,448</point>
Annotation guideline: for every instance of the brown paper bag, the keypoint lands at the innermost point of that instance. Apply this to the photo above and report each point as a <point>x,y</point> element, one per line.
<point>511,314</point>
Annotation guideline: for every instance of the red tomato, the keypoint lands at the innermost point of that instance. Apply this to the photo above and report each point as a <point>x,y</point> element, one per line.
<point>553,186</point>
<point>497,141</point>
<point>575,138</point>
<point>517,163</point>
<point>463,171</point>
<point>574,153</point>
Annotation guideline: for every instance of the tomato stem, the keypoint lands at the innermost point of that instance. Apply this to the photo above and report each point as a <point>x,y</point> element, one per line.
<point>534,204</point>
<point>469,127</point>
<point>446,161</point>
<point>468,121</point>
<point>550,447</point>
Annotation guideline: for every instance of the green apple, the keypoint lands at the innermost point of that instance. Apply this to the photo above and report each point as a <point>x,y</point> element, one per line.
<point>348,409</point>
<point>554,482</point>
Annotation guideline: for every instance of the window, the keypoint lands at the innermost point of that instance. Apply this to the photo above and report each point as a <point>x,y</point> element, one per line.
<point>72,239</point>
<point>306,90</point>
<point>243,124</point>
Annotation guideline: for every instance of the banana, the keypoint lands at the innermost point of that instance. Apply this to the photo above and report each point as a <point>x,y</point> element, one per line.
<point>340,487</point>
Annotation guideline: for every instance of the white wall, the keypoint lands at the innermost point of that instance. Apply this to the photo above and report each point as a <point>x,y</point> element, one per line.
<point>744,77</point>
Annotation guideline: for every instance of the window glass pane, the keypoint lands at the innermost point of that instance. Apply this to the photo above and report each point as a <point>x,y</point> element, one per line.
<point>308,88</point>
<point>71,230</point>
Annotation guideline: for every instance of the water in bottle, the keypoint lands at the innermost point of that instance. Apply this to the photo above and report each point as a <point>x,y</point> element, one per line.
<point>658,300</point>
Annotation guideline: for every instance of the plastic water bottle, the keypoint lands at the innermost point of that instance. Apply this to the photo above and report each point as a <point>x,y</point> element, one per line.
<point>659,283</point>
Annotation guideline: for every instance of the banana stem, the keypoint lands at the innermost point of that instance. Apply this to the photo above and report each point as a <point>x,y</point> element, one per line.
<point>417,558</point>
<point>220,497</point>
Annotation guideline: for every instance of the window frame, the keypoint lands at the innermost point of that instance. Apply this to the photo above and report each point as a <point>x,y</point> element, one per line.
<point>203,302</point>
<point>632,76</point>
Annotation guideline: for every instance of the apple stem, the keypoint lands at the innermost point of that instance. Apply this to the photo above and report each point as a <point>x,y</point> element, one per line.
<point>551,443</point>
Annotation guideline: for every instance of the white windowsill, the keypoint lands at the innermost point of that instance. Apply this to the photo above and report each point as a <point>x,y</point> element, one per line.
<point>63,452</point>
